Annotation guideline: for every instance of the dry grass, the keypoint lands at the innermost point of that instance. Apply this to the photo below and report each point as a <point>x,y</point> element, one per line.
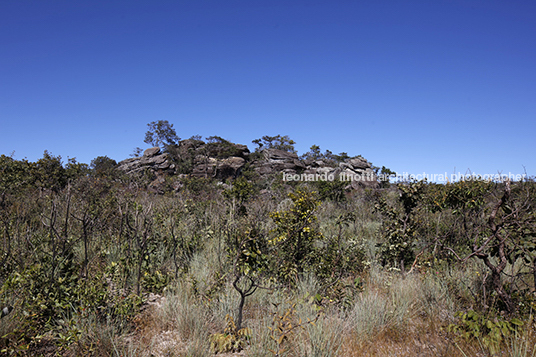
<point>393,316</point>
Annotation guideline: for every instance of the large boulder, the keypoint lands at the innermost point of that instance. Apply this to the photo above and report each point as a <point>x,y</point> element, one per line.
<point>230,167</point>
<point>275,161</point>
<point>357,171</point>
<point>152,159</point>
<point>205,166</point>
<point>358,163</point>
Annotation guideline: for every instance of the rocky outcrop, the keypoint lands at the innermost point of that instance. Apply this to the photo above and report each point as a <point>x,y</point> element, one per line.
<point>357,171</point>
<point>205,166</point>
<point>152,159</point>
<point>220,159</point>
<point>275,161</point>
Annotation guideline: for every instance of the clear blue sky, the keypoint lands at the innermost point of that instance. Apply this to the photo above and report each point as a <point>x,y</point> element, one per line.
<point>418,86</point>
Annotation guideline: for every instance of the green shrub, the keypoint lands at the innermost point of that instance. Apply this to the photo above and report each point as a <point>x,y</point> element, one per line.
<point>492,331</point>
<point>295,234</point>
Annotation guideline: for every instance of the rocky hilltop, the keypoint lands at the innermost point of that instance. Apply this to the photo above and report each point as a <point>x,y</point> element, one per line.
<point>153,159</point>
<point>222,160</point>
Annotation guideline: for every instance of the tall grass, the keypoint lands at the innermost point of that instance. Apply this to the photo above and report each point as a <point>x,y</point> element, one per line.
<point>188,317</point>
<point>323,338</point>
<point>261,343</point>
<point>369,315</point>
<point>392,301</point>
<point>437,302</point>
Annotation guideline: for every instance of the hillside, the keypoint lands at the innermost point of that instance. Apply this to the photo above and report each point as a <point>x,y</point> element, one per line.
<point>204,247</point>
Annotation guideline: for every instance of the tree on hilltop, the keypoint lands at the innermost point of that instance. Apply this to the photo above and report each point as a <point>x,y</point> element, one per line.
<point>275,142</point>
<point>162,134</point>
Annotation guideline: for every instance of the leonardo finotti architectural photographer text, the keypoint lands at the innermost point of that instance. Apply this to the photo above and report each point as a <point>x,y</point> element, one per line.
<point>443,177</point>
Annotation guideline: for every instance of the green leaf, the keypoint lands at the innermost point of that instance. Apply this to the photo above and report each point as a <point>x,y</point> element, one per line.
<point>517,322</point>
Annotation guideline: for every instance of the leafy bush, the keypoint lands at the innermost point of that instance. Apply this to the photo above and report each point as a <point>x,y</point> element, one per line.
<point>401,226</point>
<point>492,332</point>
<point>295,234</point>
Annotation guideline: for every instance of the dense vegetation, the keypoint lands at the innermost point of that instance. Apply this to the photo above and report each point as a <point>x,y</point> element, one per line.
<point>92,263</point>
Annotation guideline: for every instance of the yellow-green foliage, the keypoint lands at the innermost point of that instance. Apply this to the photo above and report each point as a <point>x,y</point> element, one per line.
<point>296,233</point>
<point>232,340</point>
